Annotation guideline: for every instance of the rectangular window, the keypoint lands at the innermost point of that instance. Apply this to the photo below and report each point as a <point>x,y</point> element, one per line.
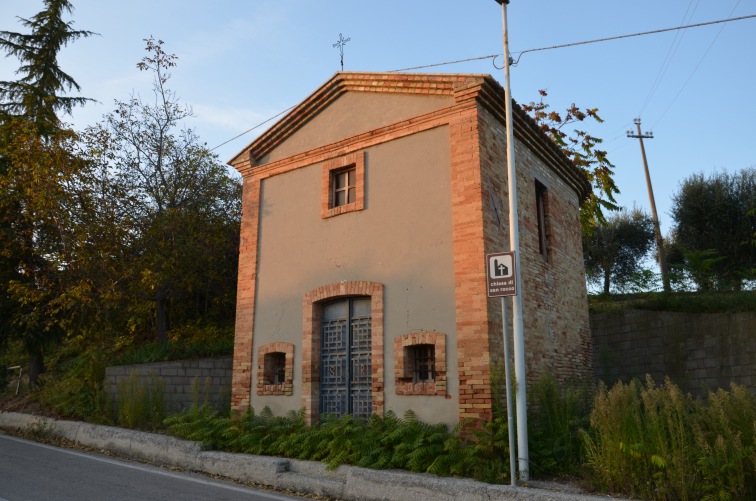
<point>541,207</point>
<point>275,368</point>
<point>424,363</point>
<point>343,185</point>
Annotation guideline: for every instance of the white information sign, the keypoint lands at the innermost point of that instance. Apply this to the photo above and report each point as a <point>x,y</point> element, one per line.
<point>500,274</point>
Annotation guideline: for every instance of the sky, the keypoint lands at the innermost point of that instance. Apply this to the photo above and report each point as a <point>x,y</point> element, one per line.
<point>240,62</point>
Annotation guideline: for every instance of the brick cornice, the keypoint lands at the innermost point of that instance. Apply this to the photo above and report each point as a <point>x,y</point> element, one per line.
<point>341,82</point>
<point>467,89</point>
<point>349,145</point>
<point>491,97</point>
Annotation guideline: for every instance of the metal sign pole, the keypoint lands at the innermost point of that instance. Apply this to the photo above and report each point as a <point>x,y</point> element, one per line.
<point>501,281</point>
<point>514,241</point>
<point>508,379</point>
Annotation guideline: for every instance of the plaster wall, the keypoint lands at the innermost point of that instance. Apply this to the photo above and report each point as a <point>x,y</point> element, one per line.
<point>408,248</point>
<point>354,113</point>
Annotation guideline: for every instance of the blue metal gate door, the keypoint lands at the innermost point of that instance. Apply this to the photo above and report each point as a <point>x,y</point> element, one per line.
<point>345,371</point>
<point>360,374</point>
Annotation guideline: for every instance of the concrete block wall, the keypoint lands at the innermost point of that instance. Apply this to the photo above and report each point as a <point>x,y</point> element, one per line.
<point>698,351</point>
<point>212,376</point>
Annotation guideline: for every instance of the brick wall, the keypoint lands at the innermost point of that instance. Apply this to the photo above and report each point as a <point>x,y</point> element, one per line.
<point>697,351</point>
<point>211,375</point>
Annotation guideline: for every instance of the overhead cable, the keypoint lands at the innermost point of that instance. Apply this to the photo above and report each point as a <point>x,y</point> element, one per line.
<point>520,54</point>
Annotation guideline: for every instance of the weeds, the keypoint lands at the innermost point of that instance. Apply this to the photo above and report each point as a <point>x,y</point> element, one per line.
<point>557,416</point>
<point>78,391</point>
<point>654,442</point>
<point>39,430</point>
<point>141,403</point>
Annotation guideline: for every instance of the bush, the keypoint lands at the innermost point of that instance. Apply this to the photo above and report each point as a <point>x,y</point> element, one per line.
<point>657,443</point>
<point>74,387</point>
<point>557,416</point>
<point>186,342</point>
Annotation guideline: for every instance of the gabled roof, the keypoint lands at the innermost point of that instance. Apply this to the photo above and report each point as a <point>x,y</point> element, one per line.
<point>465,86</point>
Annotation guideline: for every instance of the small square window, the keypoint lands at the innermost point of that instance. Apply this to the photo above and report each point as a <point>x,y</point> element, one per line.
<point>420,363</point>
<point>343,185</point>
<point>275,366</point>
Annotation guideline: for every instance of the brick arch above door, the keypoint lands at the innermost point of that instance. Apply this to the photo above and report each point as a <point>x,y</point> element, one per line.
<point>312,310</point>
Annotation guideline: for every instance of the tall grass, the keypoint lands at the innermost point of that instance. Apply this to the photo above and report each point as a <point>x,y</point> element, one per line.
<point>654,442</point>
<point>640,439</point>
<point>557,415</point>
<point>141,403</point>
<point>724,438</point>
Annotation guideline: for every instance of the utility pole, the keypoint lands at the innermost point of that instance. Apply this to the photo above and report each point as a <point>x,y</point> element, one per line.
<point>657,230</point>
<point>521,400</point>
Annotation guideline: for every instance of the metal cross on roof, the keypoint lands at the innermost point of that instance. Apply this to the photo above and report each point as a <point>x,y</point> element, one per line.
<point>340,44</point>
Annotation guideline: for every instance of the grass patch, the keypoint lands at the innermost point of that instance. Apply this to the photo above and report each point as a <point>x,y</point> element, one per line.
<point>166,352</point>
<point>690,302</point>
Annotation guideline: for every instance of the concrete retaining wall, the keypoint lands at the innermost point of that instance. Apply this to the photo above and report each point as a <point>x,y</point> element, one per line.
<point>183,381</point>
<point>698,351</point>
<point>348,483</point>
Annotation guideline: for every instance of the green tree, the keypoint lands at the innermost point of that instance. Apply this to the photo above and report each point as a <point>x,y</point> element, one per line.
<point>37,95</point>
<point>35,241</point>
<point>614,250</point>
<point>35,167</point>
<point>179,205</point>
<point>583,150</point>
<point>713,227</point>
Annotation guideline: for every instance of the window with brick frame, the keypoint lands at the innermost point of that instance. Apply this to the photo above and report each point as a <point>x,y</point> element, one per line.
<point>343,185</point>
<point>275,369</point>
<point>542,219</point>
<point>420,363</point>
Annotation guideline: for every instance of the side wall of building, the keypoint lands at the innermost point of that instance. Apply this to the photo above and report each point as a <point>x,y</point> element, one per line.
<point>556,321</point>
<point>554,296</point>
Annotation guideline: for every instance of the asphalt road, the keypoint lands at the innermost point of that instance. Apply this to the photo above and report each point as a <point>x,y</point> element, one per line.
<point>30,471</point>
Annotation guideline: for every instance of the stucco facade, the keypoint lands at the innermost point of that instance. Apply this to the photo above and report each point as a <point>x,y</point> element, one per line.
<point>407,250</point>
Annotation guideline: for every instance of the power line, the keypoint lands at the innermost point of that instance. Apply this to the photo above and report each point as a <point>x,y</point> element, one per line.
<point>703,56</point>
<point>653,32</point>
<point>573,44</point>
<point>676,42</point>
<point>494,56</point>
<point>253,128</point>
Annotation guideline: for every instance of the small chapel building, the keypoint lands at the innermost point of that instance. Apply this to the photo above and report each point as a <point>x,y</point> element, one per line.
<point>368,211</point>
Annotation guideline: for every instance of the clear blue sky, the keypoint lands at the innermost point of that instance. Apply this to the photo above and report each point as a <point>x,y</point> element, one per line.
<point>242,61</point>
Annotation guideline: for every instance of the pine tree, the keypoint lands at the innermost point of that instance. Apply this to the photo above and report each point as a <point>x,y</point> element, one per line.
<point>36,96</point>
